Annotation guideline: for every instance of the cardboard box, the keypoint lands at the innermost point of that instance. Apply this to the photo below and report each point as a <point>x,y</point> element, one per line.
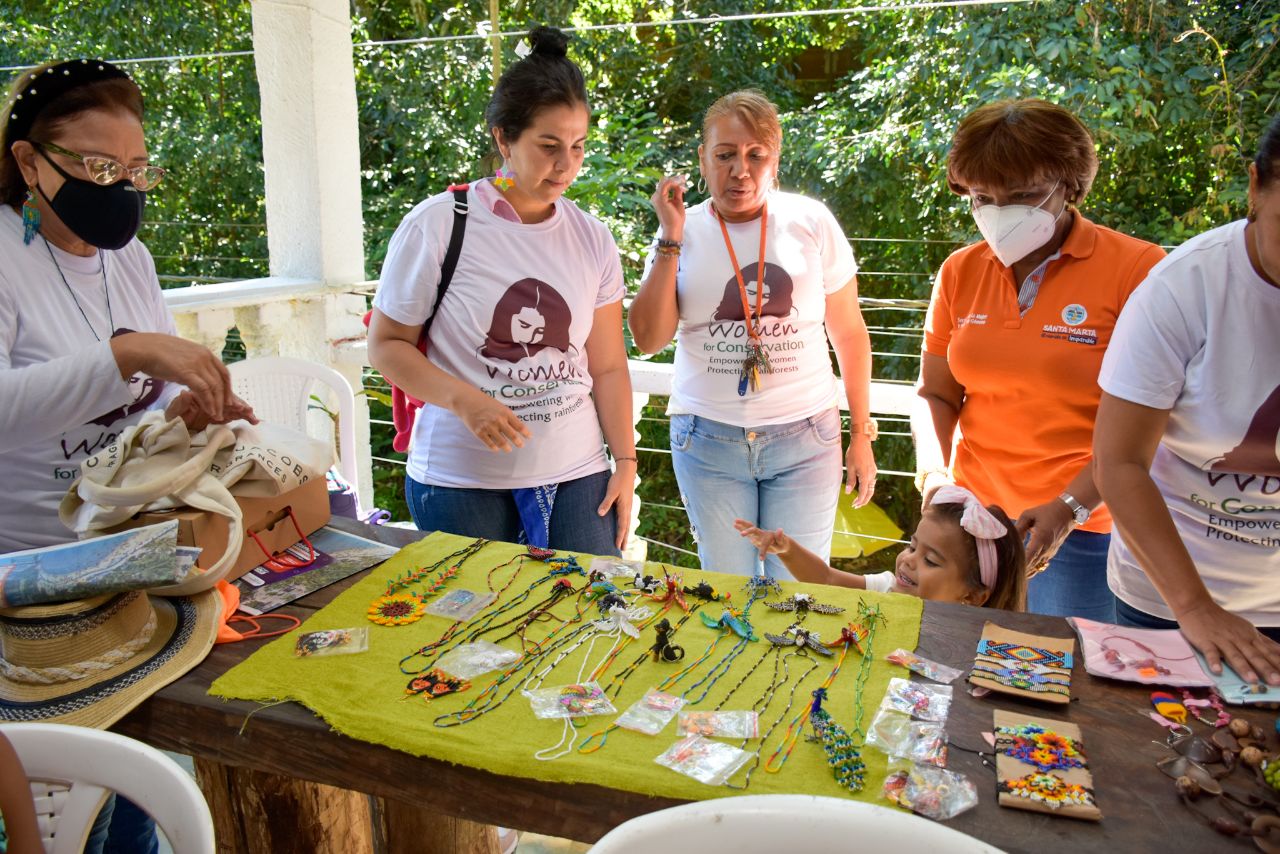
<point>266,517</point>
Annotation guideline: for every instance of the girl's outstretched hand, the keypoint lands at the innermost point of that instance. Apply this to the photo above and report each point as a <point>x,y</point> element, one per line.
<point>766,542</point>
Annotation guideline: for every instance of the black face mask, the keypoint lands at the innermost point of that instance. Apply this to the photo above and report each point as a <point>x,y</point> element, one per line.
<point>106,217</point>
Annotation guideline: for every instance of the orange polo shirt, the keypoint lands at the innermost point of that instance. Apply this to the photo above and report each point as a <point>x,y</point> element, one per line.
<point>1031,382</point>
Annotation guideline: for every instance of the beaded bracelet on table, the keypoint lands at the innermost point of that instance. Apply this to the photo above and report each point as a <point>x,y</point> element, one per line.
<point>1043,748</point>
<point>1048,789</point>
<point>1022,680</point>
<point>1026,654</point>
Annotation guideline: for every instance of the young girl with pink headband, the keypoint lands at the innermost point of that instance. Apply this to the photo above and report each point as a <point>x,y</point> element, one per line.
<point>960,552</point>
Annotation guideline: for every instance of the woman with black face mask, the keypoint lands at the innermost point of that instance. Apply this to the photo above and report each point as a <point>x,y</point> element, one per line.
<point>86,341</point>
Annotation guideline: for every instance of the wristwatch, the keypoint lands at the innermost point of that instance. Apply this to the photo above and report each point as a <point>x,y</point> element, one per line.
<point>1078,511</point>
<point>869,427</point>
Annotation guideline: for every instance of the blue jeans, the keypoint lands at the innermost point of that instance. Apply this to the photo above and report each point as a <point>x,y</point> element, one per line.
<point>780,476</point>
<point>492,514</point>
<point>122,828</point>
<point>1127,615</point>
<point>1075,582</point>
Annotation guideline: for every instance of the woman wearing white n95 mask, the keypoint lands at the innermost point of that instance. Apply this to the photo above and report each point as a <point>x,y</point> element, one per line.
<point>1014,339</point>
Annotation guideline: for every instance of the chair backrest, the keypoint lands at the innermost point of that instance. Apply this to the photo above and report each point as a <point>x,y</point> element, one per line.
<point>279,388</point>
<point>73,769</point>
<point>756,824</point>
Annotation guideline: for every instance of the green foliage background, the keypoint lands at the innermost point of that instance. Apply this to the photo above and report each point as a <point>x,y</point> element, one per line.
<point>1176,92</point>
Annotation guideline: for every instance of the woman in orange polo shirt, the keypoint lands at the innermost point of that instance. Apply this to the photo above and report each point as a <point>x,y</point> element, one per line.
<point>1014,338</point>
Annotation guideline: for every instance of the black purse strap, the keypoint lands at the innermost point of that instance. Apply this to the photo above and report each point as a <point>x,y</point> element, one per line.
<point>451,255</point>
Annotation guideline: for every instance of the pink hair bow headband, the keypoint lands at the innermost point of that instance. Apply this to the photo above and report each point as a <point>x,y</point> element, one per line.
<point>980,524</point>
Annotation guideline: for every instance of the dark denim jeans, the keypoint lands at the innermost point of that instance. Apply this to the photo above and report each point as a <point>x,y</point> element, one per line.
<point>492,514</point>
<point>1127,615</point>
<point>1075,583</point>
<point>122,828</point>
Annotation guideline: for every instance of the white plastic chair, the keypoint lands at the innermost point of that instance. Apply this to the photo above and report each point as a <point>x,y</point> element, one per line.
<point>279,389</point>
<point>766,824</point>
<point>73,769</point>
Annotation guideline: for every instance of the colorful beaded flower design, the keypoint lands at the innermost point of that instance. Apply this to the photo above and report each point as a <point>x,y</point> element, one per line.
<point>1045,749</point>
<point>396,609</point>
<point>1048,789</point>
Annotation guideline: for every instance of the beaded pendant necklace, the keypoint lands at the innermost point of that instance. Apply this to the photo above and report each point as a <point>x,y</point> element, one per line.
<point>561,569</point>
<point>488,699</point>
<point>673,595</point>
<point>843,752</point>
<point>766,699</point>
<point>399,606</point>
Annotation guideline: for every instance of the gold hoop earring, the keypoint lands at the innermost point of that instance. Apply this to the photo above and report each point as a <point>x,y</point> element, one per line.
<point>702,184</point>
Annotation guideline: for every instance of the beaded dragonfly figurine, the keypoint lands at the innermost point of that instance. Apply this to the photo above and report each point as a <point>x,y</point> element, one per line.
<point>801,604</point>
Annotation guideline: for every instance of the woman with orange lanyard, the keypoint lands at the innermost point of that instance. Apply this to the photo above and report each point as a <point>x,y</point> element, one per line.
<point>1014,339</point>
<point>751,283</point>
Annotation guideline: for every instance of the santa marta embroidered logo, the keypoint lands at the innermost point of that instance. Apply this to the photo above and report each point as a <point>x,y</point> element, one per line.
<point>1074,315</point>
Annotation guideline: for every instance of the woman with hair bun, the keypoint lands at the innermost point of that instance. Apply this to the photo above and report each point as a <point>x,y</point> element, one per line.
<point>525,376</point>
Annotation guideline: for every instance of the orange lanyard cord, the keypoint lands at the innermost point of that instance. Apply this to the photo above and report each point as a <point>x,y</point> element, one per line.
<point>752,328</point>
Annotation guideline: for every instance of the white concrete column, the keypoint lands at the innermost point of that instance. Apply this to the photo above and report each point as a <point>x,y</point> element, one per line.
<point>311,160</point>
<point>310,138</point>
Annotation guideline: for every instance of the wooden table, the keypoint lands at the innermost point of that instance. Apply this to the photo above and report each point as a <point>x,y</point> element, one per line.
<point>410,795</point>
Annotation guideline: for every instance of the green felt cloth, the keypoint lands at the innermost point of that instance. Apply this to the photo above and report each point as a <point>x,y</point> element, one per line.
<point>363,695</point>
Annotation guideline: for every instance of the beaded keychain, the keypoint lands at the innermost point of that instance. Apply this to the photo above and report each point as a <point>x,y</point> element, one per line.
<point>396,608</point>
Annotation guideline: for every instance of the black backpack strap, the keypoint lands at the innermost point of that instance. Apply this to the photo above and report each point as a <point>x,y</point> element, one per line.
<point>451,255</point>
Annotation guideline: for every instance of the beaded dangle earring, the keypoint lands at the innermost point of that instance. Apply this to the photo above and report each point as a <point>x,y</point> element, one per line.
<point>30,217</point>
<point>504,179</point>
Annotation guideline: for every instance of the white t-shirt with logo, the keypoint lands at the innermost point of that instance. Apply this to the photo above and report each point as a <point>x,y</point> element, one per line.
<point>1199,338</point>
<point>61,396</point>
<point>806,258</point>
<point>514,323</point>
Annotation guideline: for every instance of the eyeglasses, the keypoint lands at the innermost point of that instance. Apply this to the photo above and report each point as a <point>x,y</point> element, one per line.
<point>105,171</point>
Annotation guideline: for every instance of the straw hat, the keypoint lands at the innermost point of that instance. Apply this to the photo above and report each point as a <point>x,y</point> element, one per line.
<point>90,661</point>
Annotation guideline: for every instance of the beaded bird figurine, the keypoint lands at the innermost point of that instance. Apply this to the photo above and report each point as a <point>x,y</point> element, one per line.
<point>737,623</point>
<point>842,754</point>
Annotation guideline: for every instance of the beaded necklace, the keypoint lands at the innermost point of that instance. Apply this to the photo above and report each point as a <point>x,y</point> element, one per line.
<point>672,596</point>
<point>613,626</point>
<point>842,752</point>
<point>488,699</point>
<point>484,623</point>
<point>766,699</point>
<point>396,608</point>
